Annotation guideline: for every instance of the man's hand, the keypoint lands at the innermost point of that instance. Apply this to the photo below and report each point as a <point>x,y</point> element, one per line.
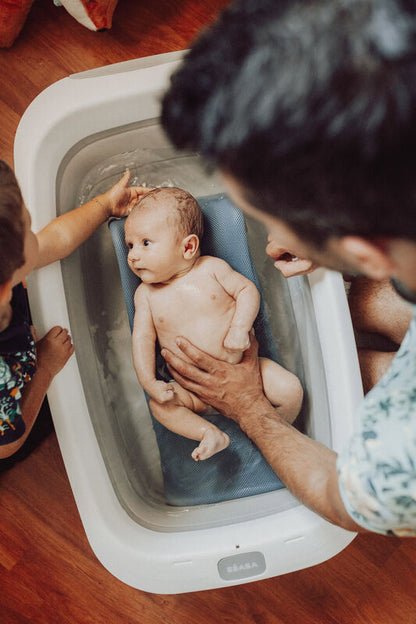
<point>305,466</point>
<point>232,389</point>
<point>287,261</point>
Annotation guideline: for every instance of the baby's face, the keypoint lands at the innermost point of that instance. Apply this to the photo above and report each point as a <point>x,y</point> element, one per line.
<point>155,252</point>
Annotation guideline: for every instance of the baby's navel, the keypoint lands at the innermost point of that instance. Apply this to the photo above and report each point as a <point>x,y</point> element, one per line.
<point>213,297</point>
<point>161,319</point>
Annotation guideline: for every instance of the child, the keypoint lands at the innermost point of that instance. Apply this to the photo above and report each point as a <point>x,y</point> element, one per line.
<point>27,366</point>
<point>200,297</point>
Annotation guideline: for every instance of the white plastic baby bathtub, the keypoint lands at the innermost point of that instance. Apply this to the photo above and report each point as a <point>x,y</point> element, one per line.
<point>74,141</point>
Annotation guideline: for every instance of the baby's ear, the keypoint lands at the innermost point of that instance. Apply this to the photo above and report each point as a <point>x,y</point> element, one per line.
<point>190,246</point>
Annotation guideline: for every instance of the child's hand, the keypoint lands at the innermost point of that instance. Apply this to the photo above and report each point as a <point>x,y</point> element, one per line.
<point>237,339</point>
<point>121,197</point>
<point>161,392</point>
<point>54,350</point>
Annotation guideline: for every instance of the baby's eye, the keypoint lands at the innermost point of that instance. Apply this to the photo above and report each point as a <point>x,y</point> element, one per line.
<point>129,245</point>
<point>146,242</point>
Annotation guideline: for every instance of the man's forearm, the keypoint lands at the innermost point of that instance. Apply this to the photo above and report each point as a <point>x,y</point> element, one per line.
<point>306,467</point>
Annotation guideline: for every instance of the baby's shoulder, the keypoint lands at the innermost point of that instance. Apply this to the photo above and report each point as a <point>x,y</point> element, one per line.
<point>142,292</point>
<point>211,264</point>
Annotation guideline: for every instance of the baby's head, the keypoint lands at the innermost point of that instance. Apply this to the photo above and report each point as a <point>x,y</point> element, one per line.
<point>183,213</point>
<point>162,233</point>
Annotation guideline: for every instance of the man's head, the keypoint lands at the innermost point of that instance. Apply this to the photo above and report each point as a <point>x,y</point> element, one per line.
<point>162,234</point>
<point>12,230</point>
<point>310,105</point>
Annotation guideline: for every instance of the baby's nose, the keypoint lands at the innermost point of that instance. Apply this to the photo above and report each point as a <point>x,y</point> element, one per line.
<point>133,254</point>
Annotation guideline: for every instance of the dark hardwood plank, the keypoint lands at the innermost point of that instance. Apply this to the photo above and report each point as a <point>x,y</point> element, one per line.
<point>53,45</point>
<point>49,573</point>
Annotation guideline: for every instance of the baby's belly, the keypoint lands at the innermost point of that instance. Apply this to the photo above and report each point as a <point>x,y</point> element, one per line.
<point>204,334</point>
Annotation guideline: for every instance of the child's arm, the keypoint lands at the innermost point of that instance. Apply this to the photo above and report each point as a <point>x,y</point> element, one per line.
<point>247,299</point>
<point>52,353</point>
<point>65,233</point>
<point>143,344</point>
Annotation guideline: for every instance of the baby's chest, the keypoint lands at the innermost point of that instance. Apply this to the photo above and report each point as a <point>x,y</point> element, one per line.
<point>190,300</point>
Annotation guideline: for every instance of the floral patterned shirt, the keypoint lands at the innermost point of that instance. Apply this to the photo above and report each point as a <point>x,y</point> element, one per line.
<point>17,366</point>
<point>377,470</point>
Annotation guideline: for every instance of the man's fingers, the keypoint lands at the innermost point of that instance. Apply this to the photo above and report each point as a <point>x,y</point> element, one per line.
<point>295,267</point>
<point>202,360</point>
<point>185,382</point>
<point>185,369</point>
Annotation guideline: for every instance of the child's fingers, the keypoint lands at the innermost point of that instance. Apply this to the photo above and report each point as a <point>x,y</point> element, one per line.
<point>126,177</point>
<point>141,190</point>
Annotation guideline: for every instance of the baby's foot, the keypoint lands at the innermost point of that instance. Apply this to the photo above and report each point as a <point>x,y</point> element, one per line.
<point>213,441</point>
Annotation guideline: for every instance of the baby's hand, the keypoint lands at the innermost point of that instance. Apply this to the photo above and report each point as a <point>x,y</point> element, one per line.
<point>122,197</point>
<point>162,392</point>
<point>237,339</point>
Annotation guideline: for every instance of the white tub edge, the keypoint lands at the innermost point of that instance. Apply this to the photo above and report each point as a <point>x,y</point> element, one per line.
<point>142,558</point>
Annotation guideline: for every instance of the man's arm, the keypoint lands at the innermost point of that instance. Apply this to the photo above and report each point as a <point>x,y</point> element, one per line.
<point>305,466</point>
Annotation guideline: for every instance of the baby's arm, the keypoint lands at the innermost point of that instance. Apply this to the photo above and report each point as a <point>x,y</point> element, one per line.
<point>65,233</point>
<point>247,299</point>
<point>143,344</point>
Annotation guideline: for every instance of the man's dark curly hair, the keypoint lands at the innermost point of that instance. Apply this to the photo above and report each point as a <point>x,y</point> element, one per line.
<point>311,106</point>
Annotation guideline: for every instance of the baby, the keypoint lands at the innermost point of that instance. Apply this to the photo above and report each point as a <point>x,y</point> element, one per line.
<point>200,297</point>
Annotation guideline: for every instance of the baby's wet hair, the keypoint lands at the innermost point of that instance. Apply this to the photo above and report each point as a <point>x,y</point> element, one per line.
<point>189,217</point>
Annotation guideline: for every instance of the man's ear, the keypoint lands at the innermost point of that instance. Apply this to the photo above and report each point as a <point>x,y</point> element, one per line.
<point>370,257</point>
<point>5,292</point>
<point>190,246</point>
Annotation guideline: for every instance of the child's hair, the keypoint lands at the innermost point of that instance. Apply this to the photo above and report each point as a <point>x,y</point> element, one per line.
<point>11,224</point>
<point>189,218</point>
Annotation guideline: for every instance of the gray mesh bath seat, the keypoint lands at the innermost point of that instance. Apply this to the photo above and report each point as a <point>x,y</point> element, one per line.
<point>240,470</point>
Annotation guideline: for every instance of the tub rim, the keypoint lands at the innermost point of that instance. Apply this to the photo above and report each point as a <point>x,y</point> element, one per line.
<point>138,556</point>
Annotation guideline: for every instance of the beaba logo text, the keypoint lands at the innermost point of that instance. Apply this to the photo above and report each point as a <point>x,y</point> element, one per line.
<point>241,567</point>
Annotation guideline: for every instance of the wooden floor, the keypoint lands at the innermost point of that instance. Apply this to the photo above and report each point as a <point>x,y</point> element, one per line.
<point>48,573</point>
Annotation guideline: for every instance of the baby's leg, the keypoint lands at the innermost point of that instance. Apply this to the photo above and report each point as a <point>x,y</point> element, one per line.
<point>180,417</point>
<point>282,388</point>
